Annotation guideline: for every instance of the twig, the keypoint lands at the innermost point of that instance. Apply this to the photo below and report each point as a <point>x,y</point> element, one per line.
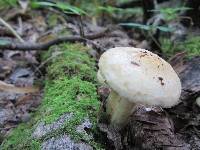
<point>155,41</point>
<point>11,29</point>
<point>39,46</point>
<point>45,46</point>
<point>81,27</point>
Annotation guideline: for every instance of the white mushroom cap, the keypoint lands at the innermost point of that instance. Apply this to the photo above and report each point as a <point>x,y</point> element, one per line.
<point>140,76</point>
<point>198,101</point>
<point>100,78</point>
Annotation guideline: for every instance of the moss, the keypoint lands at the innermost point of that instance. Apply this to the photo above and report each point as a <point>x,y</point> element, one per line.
<point>63,66</point>
<point>21,139</point>
<point>191,46</point>
<point>70,88</point>
<point>69,95</point>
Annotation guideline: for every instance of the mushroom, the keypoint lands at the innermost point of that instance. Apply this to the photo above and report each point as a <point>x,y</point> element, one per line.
<point>198,101</point>
<point>136,76</point>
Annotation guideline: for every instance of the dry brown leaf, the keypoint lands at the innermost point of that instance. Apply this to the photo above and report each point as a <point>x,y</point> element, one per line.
<point>13,89</point>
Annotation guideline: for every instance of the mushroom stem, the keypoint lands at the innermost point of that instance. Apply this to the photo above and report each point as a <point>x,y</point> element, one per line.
<point>119,109</point>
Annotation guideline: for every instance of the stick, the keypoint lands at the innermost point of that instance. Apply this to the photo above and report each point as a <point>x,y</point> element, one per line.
<point>11,29</point>
<point>44,46</point>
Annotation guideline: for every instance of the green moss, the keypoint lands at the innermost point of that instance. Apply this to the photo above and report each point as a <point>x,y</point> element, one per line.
<point>70,88</point>
<point>62,65</point>
<point>21,139</point>
<point>69,95</point>
<point>191,46</point>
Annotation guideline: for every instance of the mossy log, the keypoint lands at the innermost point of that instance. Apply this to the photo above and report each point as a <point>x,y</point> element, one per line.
<point>66,117</point>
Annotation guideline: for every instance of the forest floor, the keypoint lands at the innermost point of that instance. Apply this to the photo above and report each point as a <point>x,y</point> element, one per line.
<point>49,58</point>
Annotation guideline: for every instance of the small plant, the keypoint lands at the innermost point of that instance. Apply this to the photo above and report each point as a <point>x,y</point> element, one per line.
<point>65,7</point>
<point>7,3</point>
<point>170,13</point>
<point>108,9</point>
<point>191,46</point>
<point>114,10</point>
<point>167,47</point>
<point>147,27</point>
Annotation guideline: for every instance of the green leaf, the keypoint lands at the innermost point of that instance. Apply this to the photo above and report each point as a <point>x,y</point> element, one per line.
<point>170,9</point>
<point>4,42</point>
<point>45,4</point>
<point>170,13</point>
<point>108,9</point>
<point>66,8</point>
<point>165,29</point>
<point>136,25</point>
<point>147,27</point>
